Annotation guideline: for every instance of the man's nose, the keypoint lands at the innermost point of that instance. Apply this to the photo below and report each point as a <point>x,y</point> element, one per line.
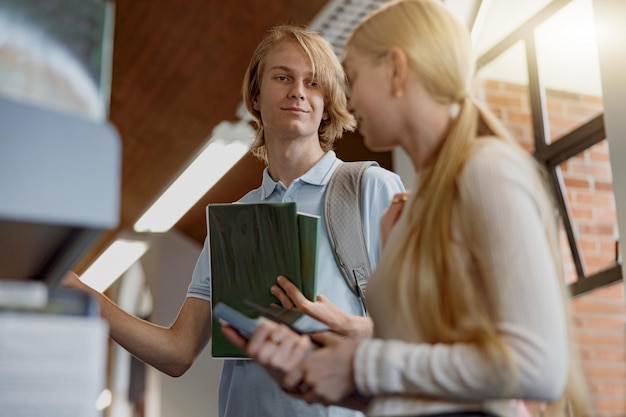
<point>297,90</point>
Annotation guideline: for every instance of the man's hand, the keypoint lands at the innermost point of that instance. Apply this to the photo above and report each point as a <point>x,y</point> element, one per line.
<point>71,280</point>
<point>324,310</point>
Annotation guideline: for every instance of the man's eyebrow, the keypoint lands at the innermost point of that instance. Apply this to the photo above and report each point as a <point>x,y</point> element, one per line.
<point>287,69</point>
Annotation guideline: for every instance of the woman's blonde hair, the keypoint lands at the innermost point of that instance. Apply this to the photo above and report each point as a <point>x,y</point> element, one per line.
<point>327,70</point>
<point>436,297</point>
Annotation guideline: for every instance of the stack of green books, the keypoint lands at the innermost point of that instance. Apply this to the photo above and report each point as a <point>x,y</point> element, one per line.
<point>251,244</point>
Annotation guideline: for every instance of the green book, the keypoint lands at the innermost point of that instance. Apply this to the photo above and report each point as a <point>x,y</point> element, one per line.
<point>251,244</point>
<point>308,228</point>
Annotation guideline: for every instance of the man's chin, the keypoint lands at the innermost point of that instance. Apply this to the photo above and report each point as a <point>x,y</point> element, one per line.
<point>299,130</point>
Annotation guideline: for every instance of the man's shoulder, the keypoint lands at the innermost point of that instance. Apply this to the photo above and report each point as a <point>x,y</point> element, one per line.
<point>379,176</point>
<point>373,170</point>
<point>252,196</point>
<point>378,185</point>
<point>376,171</point>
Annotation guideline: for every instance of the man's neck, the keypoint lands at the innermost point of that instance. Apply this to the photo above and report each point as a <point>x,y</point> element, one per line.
<point>288,162</point>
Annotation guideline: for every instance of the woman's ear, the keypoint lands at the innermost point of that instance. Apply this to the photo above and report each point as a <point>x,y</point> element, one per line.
<point>399,64</point>
<point>255,103</point>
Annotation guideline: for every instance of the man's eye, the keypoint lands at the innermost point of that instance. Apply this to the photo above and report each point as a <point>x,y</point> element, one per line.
<point>314,84</point>
<point>281,78</point>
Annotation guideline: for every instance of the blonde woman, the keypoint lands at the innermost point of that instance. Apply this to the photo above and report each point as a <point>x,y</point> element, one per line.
<point>468,302</point>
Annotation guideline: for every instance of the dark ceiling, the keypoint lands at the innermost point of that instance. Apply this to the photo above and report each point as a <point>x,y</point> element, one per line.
<point>176,73</point>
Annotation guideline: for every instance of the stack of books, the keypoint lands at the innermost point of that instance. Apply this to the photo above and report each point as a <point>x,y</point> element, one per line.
<point>251,244</point>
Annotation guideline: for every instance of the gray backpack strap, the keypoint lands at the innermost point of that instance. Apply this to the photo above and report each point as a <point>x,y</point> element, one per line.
<point>344,224</point>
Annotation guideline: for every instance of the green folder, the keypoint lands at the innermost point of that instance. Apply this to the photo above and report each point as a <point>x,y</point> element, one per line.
<point>251,244</point>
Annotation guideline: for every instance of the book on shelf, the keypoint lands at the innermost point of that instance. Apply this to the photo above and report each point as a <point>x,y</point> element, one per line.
<point>38,297</point>
<point>251,244</point>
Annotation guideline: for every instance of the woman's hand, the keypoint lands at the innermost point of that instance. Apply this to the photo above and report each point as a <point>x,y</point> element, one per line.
<point>321,372</point>
<point>391,216</point>
<point>328,372</point>
<point>277,348</point>
<point>323,310</point>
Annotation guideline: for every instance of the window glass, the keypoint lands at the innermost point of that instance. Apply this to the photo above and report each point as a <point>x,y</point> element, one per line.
<point>502,85</point>
<point>501,18</point>
<point>569,68</point>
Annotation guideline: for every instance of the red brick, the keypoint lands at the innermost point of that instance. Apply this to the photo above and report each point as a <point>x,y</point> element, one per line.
<point>603,355</point>
<point>606,215</point>
<point>491,85</point>
<point>600,323</point>
<point>603,185</point>
<point>515,88</point>
<point>601,307</point>
<point>555,107</point>
<point>596,229</point>
<point>562,95</point>
<point>616,404</point>
<point>600,171</point>
<point>608,247</point>
<point>560,126</point>
<point>573,182</point>
<point>504,100</point>
<point>582,213</point>
<point>593,264</point>
<point>593,101</point>
<point>616,371</point>
<point>609,388</point>
<point>599,155</point>
<point>516,116</point>
<point>610,292</point>
<point>581,113</point>
<point>594,199</point>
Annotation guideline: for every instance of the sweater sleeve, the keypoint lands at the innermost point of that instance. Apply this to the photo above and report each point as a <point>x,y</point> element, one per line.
<point>499,200</point>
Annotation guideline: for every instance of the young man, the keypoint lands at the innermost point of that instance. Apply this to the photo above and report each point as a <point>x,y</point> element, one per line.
<point>293,89</point>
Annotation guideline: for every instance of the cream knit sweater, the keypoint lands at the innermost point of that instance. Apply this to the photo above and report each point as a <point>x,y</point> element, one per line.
<point>504,227</point>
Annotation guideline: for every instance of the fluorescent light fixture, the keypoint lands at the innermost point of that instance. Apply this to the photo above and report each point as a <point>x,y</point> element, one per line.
<point>218,156</point>
<point>113,262</point>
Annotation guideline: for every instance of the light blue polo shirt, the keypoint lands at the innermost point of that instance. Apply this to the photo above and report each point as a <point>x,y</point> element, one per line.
<point>245,388</point>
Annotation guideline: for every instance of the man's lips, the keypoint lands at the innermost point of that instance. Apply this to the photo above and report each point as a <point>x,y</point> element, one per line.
<point>295,109</point>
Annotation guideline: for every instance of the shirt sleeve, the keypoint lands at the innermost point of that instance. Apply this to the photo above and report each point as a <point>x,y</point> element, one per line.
<point>506,230</point>
<point>200,286</point>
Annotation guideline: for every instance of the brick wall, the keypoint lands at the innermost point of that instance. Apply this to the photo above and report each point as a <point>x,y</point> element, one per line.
<point>599,316</point>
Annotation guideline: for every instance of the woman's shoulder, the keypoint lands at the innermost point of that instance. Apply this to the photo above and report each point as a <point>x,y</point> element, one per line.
<point>490,147</point>
<point>494,164</point>
<point>494,156</point>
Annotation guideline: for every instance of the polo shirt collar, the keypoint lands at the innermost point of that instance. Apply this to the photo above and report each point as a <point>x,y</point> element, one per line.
<point>319,174</point>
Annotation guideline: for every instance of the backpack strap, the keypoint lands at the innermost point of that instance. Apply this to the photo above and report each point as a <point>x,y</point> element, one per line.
<point>344,224</point>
